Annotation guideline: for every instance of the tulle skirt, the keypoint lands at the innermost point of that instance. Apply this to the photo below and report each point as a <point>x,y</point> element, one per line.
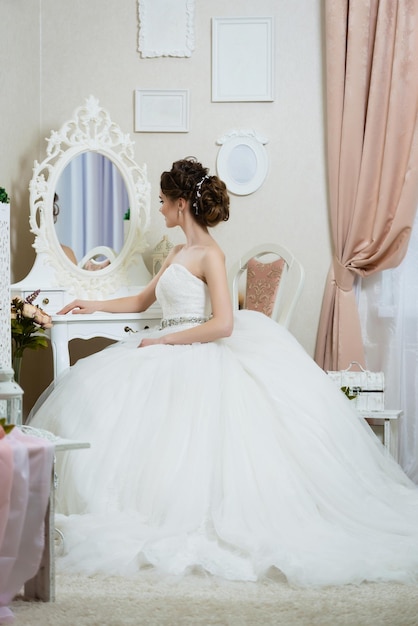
<point>233,457</point>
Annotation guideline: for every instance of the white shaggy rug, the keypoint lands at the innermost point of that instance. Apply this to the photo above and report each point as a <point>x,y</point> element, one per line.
<point>199,600</point>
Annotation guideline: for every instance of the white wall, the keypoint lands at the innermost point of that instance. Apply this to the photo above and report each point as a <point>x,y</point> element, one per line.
<point>19,117</point>
<point>58,52</point>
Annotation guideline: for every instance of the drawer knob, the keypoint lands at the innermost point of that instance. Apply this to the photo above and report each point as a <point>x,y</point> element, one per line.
<point>45,301</point>
<point>128,329</point>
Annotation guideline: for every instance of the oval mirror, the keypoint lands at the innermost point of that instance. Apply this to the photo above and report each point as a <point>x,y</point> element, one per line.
<point>91,206</point>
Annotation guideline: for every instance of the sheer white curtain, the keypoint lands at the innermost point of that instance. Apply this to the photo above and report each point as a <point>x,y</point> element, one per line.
<point>92,200</point>
<point>388,306</point>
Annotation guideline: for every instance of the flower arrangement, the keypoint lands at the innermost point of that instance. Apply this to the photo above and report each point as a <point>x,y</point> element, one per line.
<point>28,325</point>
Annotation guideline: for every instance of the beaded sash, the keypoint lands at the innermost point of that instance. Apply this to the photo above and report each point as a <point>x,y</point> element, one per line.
<point>184,319</point>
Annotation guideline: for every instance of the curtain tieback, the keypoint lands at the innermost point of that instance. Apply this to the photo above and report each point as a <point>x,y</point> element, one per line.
<point>344,277</point>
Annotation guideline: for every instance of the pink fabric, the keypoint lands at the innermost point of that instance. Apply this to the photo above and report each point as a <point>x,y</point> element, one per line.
<point>263,281</point>
<point>30,461</point>
<point>6,479</point>
<point>372,106</point>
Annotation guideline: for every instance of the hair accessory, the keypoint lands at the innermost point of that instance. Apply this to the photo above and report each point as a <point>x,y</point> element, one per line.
<point>198,194</point>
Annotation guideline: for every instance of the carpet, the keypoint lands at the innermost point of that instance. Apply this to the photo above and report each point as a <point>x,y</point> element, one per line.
<point>200,600</point>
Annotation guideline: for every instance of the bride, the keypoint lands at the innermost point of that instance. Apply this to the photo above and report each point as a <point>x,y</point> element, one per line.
<point>217,444</point>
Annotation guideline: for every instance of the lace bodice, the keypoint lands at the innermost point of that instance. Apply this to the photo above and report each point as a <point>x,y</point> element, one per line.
<point>180,293</point>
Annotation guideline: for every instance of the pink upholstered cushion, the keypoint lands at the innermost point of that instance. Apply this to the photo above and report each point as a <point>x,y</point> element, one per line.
<point>262,283</point>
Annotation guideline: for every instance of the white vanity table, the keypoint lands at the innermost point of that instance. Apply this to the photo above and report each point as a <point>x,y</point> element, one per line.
<point>58,279</point>
<point>109,325</point>
<point>114,326</point>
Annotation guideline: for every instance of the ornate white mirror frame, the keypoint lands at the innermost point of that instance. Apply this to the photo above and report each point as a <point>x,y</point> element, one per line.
<point>91,129</point>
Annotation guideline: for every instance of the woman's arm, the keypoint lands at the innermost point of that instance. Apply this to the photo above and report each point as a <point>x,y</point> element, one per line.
<point>221,323</point>
<point>127,304</point>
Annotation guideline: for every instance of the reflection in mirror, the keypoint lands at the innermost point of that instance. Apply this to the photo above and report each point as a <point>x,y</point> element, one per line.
<point>97,258</point>
<point>92,200</point>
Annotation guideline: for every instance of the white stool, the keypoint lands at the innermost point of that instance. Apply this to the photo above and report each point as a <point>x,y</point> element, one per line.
<point>389,420</point>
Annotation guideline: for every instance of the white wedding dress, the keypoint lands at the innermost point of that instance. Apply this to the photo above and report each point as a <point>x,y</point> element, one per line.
<point>231,457</point>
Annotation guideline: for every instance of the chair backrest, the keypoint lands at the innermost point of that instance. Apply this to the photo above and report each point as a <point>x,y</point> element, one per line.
<point>98,251</point>
<point>275,291</point>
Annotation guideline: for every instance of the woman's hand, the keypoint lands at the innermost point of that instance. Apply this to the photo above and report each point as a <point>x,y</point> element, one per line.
<point>80,306</point>
<point>148,341</point>
<point>93,266</point>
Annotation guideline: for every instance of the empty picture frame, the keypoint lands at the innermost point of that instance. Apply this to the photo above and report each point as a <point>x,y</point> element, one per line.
<point>162,111</point>
<point>242,59</point>
<point>166,28</point>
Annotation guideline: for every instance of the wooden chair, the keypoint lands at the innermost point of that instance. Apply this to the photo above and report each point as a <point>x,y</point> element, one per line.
<point>267,278</point>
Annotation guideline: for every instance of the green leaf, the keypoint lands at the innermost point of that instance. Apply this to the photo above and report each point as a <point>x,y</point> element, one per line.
<point>4,196</point>
<point>6,427</point>
<point>346,391</point>
<point>37,342</point>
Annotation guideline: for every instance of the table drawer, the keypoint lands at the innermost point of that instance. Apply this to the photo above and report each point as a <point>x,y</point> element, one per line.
<point>48,300</point>
<point>133,327</point>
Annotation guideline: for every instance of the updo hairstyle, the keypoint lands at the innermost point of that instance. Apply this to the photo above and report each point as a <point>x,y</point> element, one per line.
<point>188,179</point>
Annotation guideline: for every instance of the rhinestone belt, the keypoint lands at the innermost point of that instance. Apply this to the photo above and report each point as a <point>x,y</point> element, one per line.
<point>176,321</point>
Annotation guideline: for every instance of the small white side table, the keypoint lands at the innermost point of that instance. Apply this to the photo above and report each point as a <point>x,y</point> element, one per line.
<point>389,420</point>
<point>42,585</point>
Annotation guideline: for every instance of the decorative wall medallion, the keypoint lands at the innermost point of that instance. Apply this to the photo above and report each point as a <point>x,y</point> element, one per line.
<point>242,161</point>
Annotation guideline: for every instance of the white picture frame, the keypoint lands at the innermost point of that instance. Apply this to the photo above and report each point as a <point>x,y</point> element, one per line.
<point>166,28</point>
<point>161,111</point>
<point>242,59</point>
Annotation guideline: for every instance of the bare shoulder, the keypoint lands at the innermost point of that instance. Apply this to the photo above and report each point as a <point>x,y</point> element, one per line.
<point>174,251</point>
<point>214,252</point>
<point>213,257</point>
<point>69,253</point>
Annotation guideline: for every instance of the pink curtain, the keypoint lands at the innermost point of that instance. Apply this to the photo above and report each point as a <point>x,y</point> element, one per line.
<point>372,136</point>
<point>25,482</point>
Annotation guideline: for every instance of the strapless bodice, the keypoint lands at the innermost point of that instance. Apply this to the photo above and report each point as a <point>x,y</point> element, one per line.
<point>181,294</point>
